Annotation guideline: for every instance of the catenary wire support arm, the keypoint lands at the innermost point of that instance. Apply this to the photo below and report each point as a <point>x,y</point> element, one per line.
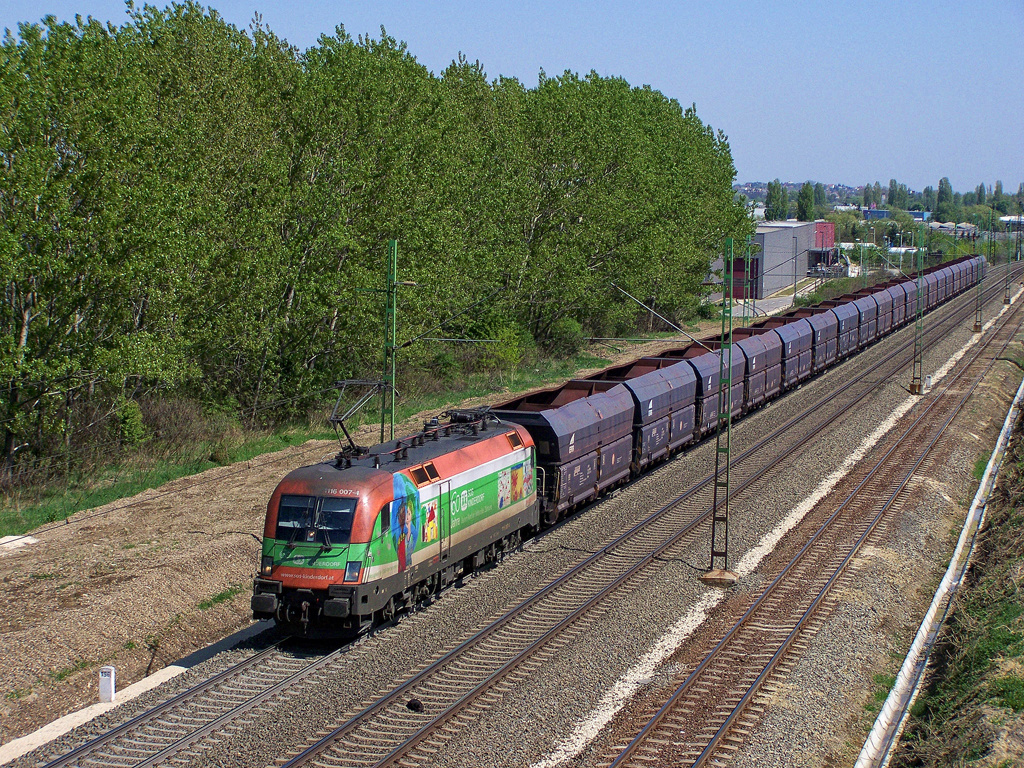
<point>425,335</point>
<point>665,320</point>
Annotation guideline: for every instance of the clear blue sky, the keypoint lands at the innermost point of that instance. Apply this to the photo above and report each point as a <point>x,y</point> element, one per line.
<point>845,92</point>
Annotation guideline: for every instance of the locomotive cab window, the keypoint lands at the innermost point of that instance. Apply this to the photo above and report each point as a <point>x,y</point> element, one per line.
<point>309,520</point>
<point>431,472</point>
<point>294,517</point>
<point>514,440</point>
<point>334,523</point>
<point>383,521</point>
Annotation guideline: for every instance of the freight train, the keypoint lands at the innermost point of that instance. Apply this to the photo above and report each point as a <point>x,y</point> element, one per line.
<point>352,542</point>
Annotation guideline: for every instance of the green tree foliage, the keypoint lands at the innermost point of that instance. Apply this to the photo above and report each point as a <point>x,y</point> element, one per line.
<point>980,193</point>
<point>902,197</point>
<point>192,211</point>
<point>929,198</point>
<point>805,202</point>
<point>869,196</point>
<point>1000,201</point>
<point>945,204</point>
<point>849,225</point>
<point>893,193</point>
<point>776,207</point>
<point>820,198</point>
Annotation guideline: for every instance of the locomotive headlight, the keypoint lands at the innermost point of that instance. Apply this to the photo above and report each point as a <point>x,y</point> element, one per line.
<point>266,565</point>
<point>352,569</point>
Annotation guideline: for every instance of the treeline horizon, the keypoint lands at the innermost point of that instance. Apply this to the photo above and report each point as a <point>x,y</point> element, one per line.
<point>944,203</point>
<point>196,213</point>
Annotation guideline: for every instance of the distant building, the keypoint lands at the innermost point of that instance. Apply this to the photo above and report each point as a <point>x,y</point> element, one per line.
<point>772,257</point>
<point>884,213</point>
<point>870,214</point>
<point>824,253</point>
<point>1013,223</point>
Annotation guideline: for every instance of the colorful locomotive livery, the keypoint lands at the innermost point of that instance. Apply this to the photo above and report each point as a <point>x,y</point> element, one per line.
<point>353,541</point>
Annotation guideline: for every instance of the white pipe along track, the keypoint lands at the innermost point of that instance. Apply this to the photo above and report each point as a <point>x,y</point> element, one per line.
<point>888,727</point>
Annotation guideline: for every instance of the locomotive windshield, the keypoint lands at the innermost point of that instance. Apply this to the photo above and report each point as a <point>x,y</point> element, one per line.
<point>309,520</point>
<point>335,519</point>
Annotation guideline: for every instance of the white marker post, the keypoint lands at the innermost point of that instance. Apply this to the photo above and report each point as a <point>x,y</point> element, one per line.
<point>108,687</point>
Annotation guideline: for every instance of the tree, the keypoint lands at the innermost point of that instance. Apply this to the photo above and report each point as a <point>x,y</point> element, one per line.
<point>928,198</point>
<point>776,202</point>
<point>980,192</point>
<point>999,201</point>
<point>193,212</point>
<point>893,193</point>
<point>868,195</point>
<point>945,207</point>
<point>876,194</point>
<point>902,197</point>
<point>805,203</point>
<point>820,198</point>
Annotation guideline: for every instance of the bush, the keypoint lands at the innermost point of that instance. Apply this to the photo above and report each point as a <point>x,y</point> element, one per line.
<point>706,310</point>
<point>132,424</point>
<point>566,338</point>
<point>808,300</point>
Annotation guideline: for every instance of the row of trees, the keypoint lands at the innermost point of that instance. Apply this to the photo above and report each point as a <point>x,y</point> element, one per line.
<point>192,211</point>
<point>944,202</point>
<point>811,202</point>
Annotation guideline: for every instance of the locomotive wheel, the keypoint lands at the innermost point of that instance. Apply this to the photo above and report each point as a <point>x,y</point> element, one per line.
<point>387,613</point>
<point>513,540</point>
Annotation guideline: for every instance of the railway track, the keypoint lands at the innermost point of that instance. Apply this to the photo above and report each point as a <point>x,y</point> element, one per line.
<point>411,723</point>
<point>412,719</point>
<point>710,712</point>
<point>161,733</point>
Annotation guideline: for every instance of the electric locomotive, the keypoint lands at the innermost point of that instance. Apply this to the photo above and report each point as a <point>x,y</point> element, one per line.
<point>353,541</point>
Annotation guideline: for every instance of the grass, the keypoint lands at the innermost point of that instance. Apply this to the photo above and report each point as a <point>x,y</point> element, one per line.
<point>801,283</point>
<point>979,467</point>
<point>27,511</point>
<point>982,643</point>
<point>65,673</point>
<point>883,684</point>
<point>1008,692</point>
<point>18,515</point>
<point>221,597</point>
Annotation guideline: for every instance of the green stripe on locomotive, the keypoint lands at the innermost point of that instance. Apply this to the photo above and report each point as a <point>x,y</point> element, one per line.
<point>410,529</point>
